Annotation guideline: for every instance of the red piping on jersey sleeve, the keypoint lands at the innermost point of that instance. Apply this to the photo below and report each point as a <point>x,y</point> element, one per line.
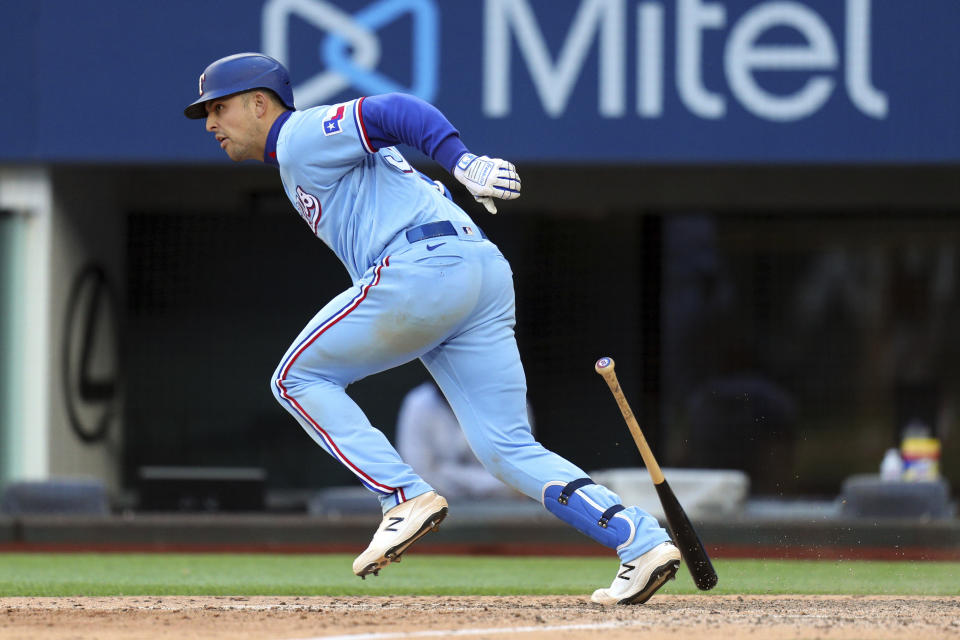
<point>364,138</point>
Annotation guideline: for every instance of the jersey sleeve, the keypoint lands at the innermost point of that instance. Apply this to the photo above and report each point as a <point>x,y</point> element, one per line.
<point>333,139</point>
<point>398,118</point>
<point>329,139</point>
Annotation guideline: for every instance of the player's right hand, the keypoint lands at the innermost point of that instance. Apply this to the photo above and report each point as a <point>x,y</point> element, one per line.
<point>487,178</point>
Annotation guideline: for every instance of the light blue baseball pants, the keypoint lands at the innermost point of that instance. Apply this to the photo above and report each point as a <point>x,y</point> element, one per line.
<point>448,300</point>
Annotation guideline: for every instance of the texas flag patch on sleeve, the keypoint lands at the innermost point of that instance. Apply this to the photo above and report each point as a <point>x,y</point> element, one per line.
<point>331,124</point>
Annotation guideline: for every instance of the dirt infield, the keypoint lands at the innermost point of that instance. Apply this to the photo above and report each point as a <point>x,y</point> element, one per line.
<point>526,618</point>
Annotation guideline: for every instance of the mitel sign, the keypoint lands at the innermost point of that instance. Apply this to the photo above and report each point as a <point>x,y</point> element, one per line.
<point>561,81</point>
<point>768,38</point>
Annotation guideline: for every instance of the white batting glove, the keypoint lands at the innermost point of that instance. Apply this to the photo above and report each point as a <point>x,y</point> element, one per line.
<point>488,178</point>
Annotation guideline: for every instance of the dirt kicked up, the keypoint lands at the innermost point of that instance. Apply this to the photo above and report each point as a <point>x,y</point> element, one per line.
<point>506,618</point>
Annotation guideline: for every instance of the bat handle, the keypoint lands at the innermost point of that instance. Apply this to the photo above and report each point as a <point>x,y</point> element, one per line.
<point>605,367</point>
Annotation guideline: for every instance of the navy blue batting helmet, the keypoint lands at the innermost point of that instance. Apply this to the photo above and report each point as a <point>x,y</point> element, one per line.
<point>237,73</point>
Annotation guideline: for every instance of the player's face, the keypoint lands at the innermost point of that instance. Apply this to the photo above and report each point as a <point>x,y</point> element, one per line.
<point>234,124</point>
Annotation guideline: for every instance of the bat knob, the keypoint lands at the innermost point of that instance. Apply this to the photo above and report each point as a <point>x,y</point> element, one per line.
<point>604,365</point>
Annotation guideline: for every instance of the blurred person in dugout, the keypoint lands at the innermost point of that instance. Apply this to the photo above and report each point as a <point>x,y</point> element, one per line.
<point>430,440</point>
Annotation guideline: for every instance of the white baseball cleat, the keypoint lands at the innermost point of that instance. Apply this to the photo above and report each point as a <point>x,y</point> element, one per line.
<point>401,527</point>
<point>640,578</point>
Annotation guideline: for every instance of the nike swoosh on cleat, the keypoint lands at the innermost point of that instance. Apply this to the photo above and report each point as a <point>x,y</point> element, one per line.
<point>431,247</point>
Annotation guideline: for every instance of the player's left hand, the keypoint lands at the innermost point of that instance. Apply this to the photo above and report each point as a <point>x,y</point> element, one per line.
<point>488,178</point>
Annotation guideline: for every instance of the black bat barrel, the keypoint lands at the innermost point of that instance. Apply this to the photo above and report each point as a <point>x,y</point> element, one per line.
<point>687,540</point>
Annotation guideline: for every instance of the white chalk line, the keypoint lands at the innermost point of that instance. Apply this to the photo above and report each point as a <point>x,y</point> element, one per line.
<point>446,633</point>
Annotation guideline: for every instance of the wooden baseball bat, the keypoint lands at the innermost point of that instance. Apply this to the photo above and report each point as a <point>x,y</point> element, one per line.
<point>685,536</point>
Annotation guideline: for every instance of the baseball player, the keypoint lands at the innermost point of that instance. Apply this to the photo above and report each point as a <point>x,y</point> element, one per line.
<point>427,284</point>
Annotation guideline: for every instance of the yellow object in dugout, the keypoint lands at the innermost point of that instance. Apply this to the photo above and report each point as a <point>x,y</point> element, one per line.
<point>921,458</point>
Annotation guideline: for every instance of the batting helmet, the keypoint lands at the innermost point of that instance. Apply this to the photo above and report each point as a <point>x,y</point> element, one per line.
<point>237,73</point>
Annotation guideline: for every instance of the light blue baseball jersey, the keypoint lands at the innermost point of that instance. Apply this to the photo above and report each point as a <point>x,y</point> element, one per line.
<point>446,299</point>
<point>353,196</point>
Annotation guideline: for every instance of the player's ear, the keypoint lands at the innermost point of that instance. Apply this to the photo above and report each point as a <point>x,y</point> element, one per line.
<point>260,102</point>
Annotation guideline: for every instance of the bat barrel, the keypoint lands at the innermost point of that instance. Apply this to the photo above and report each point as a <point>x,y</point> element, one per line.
<point>686,538</point>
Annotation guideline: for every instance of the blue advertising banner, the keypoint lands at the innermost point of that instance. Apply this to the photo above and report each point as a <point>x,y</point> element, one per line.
<point>558,81</point>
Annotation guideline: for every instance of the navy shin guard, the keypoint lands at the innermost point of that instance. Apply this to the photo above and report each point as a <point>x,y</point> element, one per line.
<point>570,504</point>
